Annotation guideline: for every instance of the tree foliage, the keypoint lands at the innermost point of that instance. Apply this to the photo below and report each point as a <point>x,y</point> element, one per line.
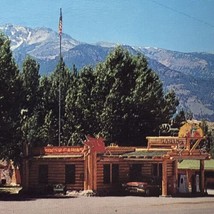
<point>134,104</point>
<point>121,99</point>
<point>10,102</point>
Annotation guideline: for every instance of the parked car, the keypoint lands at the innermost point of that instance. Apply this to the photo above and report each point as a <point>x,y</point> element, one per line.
<point>145,186</point>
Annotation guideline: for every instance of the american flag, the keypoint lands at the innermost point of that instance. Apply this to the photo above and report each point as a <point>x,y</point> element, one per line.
<point>60,23</point>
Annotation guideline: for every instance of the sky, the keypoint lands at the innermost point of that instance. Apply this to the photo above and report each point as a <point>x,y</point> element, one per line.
<point>179,25</point>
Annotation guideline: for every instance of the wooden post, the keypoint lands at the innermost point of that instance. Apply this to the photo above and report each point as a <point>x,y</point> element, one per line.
<point>90,168</point>
<point>188,144</point>
<point>164,178</point>
<point>85,172</point>
<point>175,179</point>
<point>189,181</point>
<point>202,180</point>
<point>90,171</point>
<point>25,168</point>
<point>95,171</point>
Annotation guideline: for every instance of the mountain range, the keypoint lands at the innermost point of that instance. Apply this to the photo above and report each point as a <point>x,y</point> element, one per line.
<point>190,75</point>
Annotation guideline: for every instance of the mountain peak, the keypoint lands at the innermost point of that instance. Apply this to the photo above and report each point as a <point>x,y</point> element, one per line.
<point>41,42</point>
<point>190,75</point>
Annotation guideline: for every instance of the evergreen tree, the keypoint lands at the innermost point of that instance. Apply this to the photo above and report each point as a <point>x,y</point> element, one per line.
<point>73,112</point>
<point>10,99</point>
<point>179,119</point>
<point>31,103</point>
<point>84,101</point>
<point>118,82</point>
<point>61,80</point>
<point>132,104</point>
<point>30,78</point>
<point>48,121</point>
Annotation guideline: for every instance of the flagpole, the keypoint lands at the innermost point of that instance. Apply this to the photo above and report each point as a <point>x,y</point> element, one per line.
<point>60,58</point>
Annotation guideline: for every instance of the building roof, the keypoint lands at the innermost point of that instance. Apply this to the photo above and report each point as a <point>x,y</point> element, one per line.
<point>144,154</point>
<point>60,156</point>
<point>195,164</point>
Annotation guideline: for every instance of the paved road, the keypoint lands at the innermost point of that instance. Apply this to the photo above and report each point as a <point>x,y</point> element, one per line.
<point>109,205</point>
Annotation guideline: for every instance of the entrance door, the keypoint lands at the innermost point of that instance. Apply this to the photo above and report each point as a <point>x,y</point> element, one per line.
<point>183,184</point>
<point>135,172</point>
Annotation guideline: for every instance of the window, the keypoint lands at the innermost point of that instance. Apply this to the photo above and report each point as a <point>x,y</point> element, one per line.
<point>115,173</point>
<point>70,174</point>
<point>110,173</point>
<point>157,169</point>
<point>106,173</point>
<point>43,174</point>
<point>135,172</point>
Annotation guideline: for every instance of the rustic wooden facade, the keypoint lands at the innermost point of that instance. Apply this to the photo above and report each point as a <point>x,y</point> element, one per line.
<point>103,169</point>
<point>191,170</point>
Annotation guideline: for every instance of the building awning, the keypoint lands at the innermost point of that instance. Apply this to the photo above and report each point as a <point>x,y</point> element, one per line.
<point>195,164</point>
<point>57,156</point>
<point>145,154</point>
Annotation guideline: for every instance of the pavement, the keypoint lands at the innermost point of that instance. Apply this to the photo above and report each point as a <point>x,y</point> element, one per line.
<point>12,203</point>
<point>109,205</point>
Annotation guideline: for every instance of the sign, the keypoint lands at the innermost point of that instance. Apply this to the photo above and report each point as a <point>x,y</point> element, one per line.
<point>95,144</point>
<point>63,150</point>
<point>173,141</point>
<point>191,130</point>
<point>166,142</point>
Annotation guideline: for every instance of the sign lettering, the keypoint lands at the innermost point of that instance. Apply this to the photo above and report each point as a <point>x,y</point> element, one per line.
<point>173,141</point>
<point>63,150</point>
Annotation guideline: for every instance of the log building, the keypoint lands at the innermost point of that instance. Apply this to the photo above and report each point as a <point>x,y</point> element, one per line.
<point>103,169</point>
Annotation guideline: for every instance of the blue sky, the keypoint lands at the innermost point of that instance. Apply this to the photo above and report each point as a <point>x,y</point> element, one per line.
<point>180,25</point>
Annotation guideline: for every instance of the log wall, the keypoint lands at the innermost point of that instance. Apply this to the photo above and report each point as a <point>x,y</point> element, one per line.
<point>56,172</point>
<point>124,170</point>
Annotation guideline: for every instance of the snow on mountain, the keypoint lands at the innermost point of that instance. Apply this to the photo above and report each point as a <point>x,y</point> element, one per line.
<point>106,44</point>
<point>41,43</point>
<point>190,75</point>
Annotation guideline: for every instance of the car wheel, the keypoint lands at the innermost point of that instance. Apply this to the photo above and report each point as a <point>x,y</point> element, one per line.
<point>147,192</point>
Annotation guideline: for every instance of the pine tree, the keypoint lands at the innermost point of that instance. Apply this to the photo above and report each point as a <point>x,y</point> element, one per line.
<point>10,99</point>
<point>73,129</point>
<point>31,103</point>
<point>50,89</point>
<point>132,103</point>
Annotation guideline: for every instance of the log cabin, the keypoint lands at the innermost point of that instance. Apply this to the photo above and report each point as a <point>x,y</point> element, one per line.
<point>103,169</point>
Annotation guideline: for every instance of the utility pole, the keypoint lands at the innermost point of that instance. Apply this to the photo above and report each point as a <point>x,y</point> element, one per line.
<point>60,58</point>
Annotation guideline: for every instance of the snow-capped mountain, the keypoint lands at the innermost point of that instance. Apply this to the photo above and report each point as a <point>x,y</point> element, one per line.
<point>41,43</point>
<point>190,75</point>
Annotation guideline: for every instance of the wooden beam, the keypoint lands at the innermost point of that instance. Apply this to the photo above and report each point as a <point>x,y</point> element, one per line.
<point>164,178</point>
<point>25,172</point>
<point>195,145</point>
<point>175,174</point>
<point>86,172</point>
<point>190,157</point>
<point>90,171</point>
<point>95,170</point>
<point>202,180</point>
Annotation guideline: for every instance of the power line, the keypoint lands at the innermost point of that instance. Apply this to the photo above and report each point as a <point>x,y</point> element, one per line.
<point>182,13</point>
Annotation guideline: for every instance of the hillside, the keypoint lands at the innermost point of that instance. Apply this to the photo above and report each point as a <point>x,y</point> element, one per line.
<point>191,75</point>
